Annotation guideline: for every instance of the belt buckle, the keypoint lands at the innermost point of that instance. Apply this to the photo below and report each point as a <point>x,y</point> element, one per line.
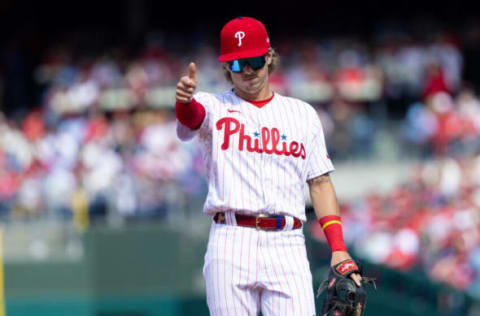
<point>257,221</point>
<point>221,218</point>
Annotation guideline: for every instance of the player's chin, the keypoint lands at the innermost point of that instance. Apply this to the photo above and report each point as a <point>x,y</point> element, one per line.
<point>252,90</point>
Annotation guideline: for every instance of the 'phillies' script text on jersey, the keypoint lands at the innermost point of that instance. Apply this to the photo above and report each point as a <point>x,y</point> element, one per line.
<point>258,159</point>
<point>270,138</point>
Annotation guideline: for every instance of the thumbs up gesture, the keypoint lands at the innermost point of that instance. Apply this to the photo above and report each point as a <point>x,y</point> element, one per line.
<point>187,84</point>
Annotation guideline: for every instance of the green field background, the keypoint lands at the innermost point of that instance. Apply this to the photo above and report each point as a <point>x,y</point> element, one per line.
<point>155,269</point>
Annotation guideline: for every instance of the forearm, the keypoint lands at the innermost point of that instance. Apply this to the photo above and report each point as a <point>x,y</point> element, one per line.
<point>322,194</point>
<point>326,208</point>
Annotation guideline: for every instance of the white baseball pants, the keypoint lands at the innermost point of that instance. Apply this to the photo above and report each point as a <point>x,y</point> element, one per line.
<point>247,270</point>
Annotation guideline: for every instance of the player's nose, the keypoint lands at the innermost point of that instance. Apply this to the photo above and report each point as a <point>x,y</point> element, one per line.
<point>247,69</point>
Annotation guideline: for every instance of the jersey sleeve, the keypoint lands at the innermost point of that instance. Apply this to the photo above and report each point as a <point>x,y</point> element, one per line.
<point>185,133</point>
<point>318,161</point>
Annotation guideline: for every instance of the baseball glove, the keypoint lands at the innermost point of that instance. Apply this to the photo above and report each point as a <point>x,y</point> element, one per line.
<point>344,297</point>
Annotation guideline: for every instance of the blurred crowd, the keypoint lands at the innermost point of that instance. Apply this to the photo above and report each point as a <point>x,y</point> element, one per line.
<point>443,125</point>
<point>315,70</point>
<point>430,222</point>
<point>107,164</point>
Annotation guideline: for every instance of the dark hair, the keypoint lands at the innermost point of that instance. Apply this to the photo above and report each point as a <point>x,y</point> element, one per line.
<point>271,67</point>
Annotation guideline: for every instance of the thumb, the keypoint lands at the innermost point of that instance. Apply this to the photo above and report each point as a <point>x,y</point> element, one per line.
<point>192,72</point>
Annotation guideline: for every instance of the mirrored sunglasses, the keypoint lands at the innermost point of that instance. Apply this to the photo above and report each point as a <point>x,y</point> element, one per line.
<point>255,63</point>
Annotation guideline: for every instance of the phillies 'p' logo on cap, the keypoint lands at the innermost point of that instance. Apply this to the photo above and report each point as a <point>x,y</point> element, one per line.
<point>243,37</point>
<point>240,35</point>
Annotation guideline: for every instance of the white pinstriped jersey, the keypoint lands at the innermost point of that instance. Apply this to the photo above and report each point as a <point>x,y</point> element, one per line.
<point>259,159</point>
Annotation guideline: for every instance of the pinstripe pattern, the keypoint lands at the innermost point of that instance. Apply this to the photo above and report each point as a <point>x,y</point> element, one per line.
<point>257,270</point>
<point>252,182</point>
<point>255,165</point>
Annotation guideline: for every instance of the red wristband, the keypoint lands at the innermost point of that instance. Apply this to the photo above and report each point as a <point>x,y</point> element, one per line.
<point>332,228</point>
<point>190,114</point>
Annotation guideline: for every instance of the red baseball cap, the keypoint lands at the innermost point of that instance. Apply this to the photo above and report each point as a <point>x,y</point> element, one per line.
<point>243,37</point>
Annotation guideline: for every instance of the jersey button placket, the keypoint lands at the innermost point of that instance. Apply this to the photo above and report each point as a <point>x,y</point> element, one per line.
<point>262,172</point>
<point>267,180</point>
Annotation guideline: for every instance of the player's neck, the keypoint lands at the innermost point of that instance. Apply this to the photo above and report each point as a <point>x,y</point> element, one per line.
<point>263,94</point>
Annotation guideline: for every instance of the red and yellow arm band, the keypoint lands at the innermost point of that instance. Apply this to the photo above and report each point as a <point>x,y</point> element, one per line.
<point>332,228</point>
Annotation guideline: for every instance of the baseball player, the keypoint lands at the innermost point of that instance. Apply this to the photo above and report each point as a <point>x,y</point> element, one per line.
<point>260,149</point>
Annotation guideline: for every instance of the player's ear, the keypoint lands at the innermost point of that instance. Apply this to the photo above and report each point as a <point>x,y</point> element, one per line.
<point>269,57</point>
<point>225,67</point>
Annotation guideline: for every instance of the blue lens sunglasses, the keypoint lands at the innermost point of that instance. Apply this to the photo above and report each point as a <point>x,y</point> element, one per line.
<point>255,63</point>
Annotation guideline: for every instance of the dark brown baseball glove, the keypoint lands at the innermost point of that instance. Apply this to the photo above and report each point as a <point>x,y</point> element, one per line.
<point>344,297</point>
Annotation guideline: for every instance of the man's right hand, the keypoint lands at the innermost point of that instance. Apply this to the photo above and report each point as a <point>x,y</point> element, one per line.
<point>186,86</point>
